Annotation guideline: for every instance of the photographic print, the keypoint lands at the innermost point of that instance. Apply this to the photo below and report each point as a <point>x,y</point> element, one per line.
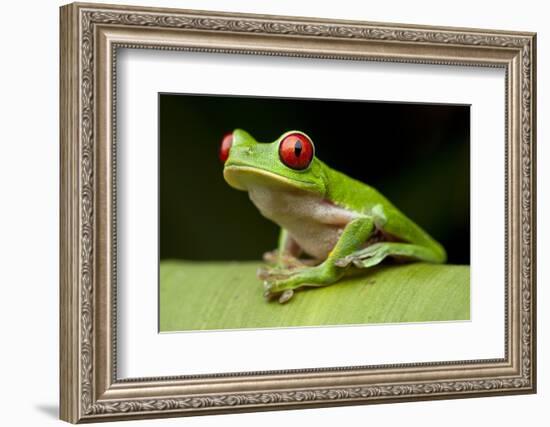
<point>288,212</point>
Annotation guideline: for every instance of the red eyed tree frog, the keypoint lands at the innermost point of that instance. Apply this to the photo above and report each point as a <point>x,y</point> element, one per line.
<point>341,224</point>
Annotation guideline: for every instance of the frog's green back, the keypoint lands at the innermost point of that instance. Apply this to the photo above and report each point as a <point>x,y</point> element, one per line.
<point>351,193</point>
<point>360,197</point>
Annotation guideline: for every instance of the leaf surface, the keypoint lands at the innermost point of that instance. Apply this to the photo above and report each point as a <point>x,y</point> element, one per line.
<point>227,295</point>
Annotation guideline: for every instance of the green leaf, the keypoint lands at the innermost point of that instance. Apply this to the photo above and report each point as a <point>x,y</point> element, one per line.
<point>227,295</point>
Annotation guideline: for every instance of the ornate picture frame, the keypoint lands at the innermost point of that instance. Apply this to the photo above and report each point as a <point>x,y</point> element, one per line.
<point>90,37</point>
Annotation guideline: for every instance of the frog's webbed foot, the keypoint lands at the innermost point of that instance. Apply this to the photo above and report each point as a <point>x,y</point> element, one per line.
<point>282,297</point>
<point>364,258</point>
<point>282,284</point>
<point>274,276</point>
<point>376,253</point>
<point>281,269</point>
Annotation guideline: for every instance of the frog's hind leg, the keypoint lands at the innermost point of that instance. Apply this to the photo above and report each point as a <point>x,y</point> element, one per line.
<point>377,252</point>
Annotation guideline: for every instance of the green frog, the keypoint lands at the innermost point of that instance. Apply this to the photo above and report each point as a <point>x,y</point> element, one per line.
<point>330,224</point>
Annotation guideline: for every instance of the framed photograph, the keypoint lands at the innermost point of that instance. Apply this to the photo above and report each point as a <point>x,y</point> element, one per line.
<point>267,212</point>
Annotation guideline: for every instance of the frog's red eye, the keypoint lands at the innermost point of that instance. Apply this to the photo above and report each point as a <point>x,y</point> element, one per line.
<point>296,151</point>
<point>227,142</point>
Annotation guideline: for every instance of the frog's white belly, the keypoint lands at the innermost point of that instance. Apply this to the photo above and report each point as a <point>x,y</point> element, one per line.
<point>314,223</point>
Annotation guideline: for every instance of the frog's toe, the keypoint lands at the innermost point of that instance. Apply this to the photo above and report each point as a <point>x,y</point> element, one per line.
<point>286,296</point>
<point>369,259</point>
<point>262,273</point>
<point>279,286</point>
<point>282,297</point>
<point>268,295</point>
<point>344,262</point>
<point>266,273</point>
<point>267,286</point>
<point>369,262</point>
<point>270,290</point>
<point>364,258</point>
<point>271,257</point>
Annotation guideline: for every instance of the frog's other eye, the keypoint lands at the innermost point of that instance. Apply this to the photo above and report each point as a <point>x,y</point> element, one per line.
<point>225,146</point>
<point>296,151</point>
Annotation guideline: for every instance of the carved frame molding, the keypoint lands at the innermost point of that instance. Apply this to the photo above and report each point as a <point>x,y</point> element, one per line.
<point>90,37</point>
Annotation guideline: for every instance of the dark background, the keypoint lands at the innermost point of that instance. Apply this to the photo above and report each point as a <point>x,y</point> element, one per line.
<point>417,155</point>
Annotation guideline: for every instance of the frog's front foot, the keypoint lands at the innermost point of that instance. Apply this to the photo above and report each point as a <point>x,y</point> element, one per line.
<point>273,278</point>
<point>283,283</point>
<point>271,275</point>
<point>281,296</point>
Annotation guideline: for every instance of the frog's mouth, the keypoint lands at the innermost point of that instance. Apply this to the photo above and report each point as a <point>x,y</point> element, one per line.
<point>243,177</point>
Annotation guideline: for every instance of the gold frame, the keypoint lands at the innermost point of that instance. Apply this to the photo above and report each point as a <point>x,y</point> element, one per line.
<point>90,36</point>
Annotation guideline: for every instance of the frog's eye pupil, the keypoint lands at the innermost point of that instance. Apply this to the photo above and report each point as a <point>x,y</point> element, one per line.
<point>298,148</point>
<point>296,151</point>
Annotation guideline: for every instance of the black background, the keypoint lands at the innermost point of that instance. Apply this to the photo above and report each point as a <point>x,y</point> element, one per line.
<point>417,155</point>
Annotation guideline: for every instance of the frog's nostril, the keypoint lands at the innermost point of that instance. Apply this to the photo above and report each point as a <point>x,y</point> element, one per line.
<point>227,142</point>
